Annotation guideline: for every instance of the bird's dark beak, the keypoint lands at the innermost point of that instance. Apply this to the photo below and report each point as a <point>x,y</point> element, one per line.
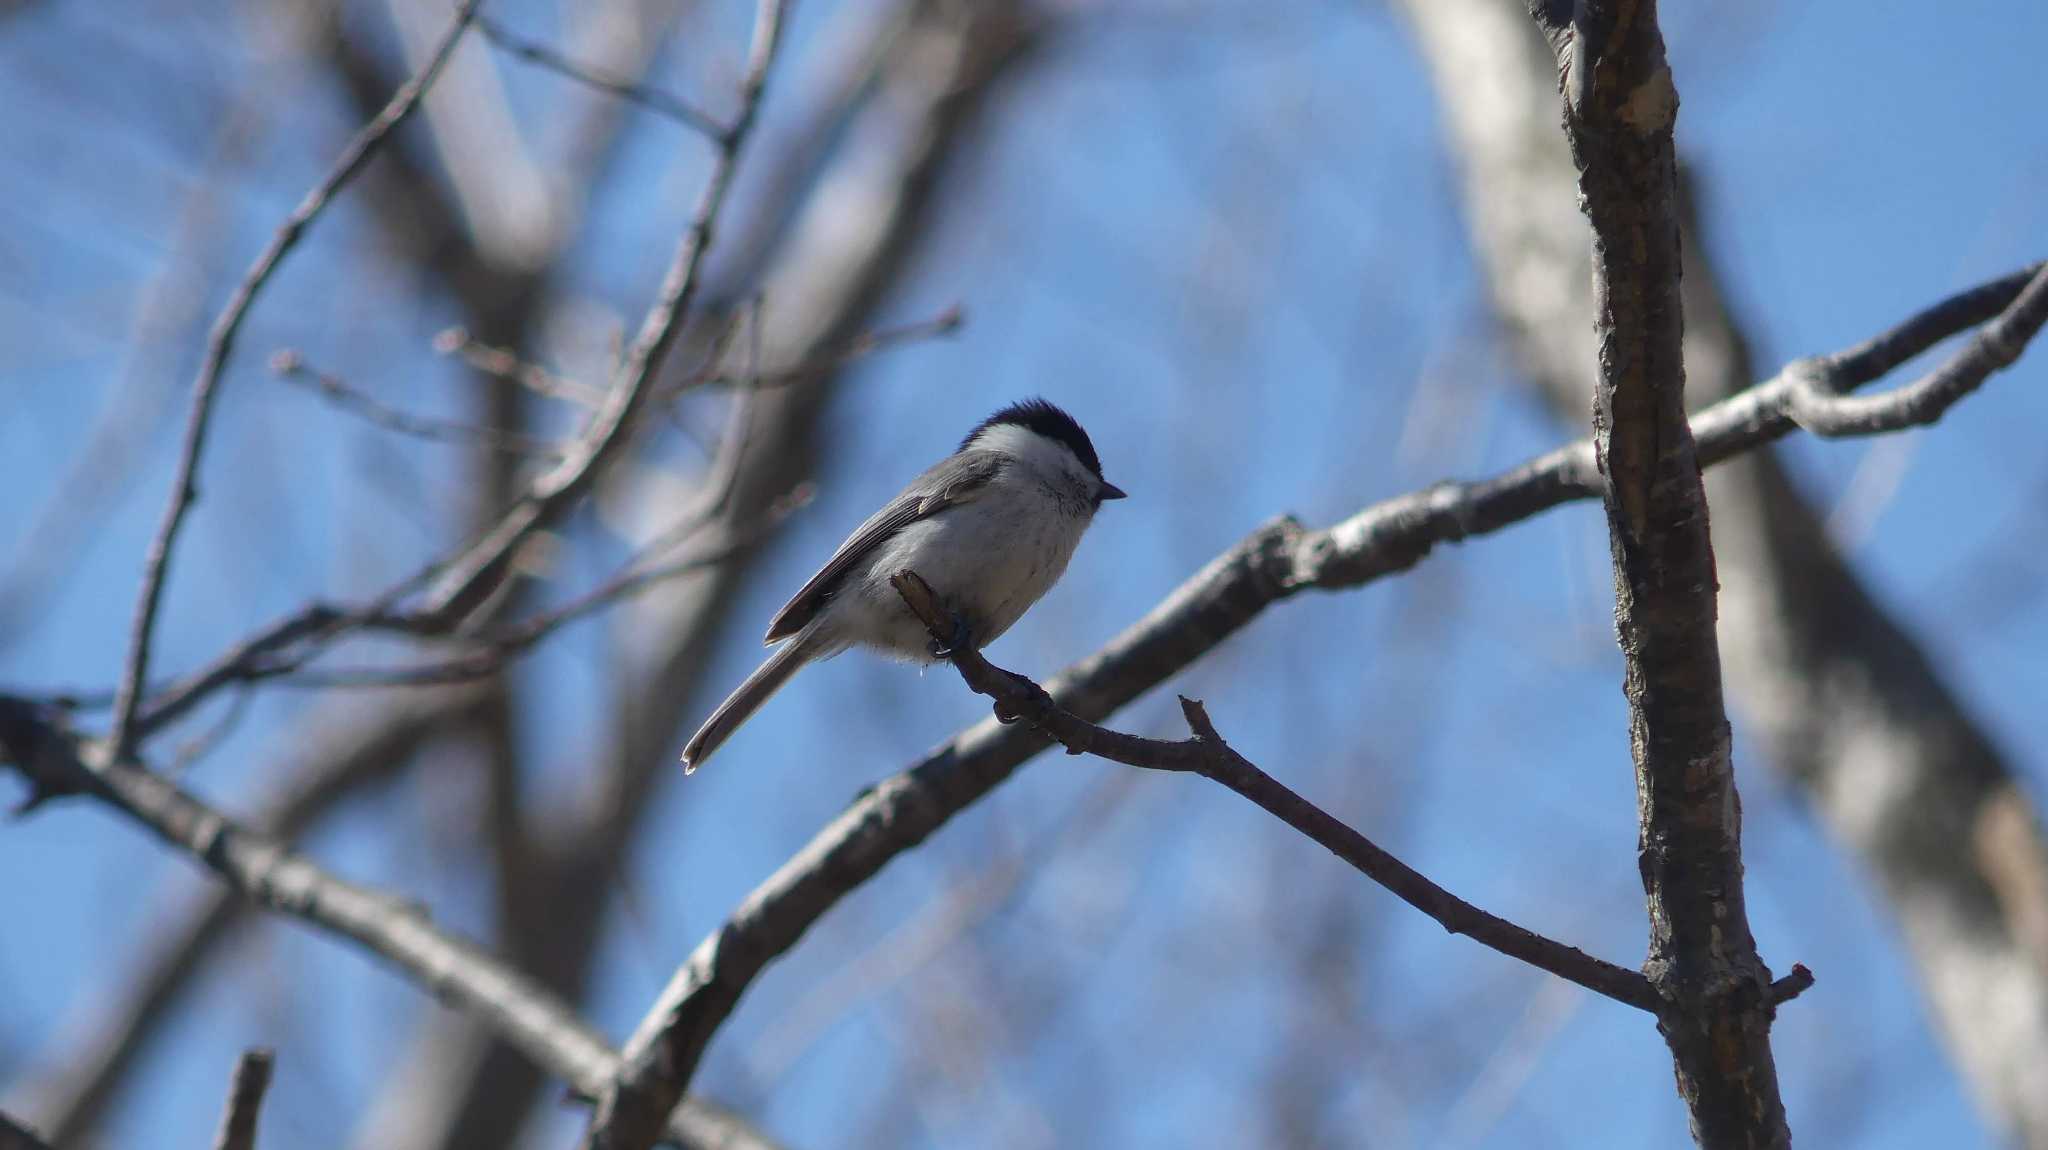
<point>1111,491</point>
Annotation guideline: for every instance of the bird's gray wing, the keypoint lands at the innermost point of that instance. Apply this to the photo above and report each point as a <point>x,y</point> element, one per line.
<point>952,481</point>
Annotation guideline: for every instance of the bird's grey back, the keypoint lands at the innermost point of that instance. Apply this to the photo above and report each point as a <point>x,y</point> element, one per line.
<point>953,480</point>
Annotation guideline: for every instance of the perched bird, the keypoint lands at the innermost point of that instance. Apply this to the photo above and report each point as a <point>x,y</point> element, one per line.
<point>990,528</point>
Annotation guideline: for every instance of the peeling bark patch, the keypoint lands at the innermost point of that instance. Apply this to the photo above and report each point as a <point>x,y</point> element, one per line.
<point>1653,105</point>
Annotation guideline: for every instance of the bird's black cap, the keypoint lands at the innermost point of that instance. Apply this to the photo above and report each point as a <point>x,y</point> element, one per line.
<point>1047,420</point>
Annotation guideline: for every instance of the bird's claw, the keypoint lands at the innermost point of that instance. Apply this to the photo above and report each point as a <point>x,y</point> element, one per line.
<point>1005,713</point>
<point>962,640</point>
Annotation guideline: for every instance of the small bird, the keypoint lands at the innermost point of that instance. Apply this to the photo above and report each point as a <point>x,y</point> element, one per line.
<point>990,528</point>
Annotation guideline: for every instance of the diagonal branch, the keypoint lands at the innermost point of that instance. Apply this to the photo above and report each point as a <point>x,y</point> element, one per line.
<point>1207,755</point>
<point>290,364</point>
<point>343,756</point>
<point>263,870</point>
<point>245,1101</point>
<point>221,341</point>
<point>1276,562</point>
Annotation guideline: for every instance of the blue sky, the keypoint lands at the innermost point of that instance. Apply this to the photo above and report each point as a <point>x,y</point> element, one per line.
<point>1225,236</point>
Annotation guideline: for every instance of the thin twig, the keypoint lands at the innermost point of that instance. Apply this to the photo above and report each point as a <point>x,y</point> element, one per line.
<point>282,646</point>
<point>500,645</point>
<point>1795,983</point>
<point>1819,406</point>
<point>501,363</point>
<point>653,99</point>
<point>220,342</point>
<point>291,364</point>
<point>1206,754</point>
<point>245,1101</point>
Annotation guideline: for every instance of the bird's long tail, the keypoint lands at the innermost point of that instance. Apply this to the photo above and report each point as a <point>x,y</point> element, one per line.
<point>740,706</point>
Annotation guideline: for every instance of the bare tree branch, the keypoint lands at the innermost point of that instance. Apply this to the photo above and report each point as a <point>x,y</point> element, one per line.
<point>653,99</point>
<point>498,299</point>
<point>245,1102</point>
<point>278,647</point>
<point>1819,406</point>
<point>185,487</point>
<point>1274,563</point>
<point>1620,108</point>
<point>473,233</point>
